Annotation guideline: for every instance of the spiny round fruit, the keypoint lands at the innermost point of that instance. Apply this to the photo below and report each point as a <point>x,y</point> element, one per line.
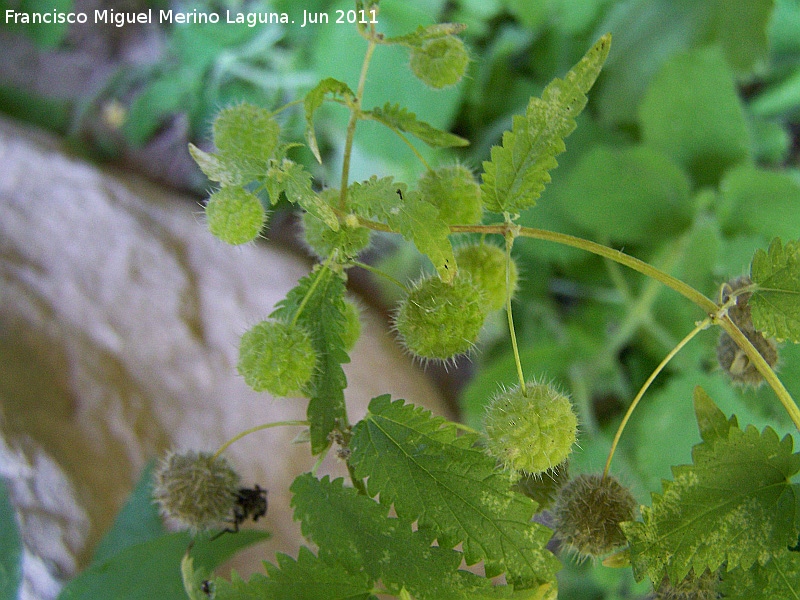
<point>530,433</point>
<point>247,136</point>
<point>486,264</point>
<point>235,215</point>
<point>588,511</point>
<point>692,587</point>
<point>455,192</point>
<point>323,240</point>
<point>730,357</point>
<point>277,357</point>
<point>195,489</point>
<point>438,320</point>
<point>440,62</point>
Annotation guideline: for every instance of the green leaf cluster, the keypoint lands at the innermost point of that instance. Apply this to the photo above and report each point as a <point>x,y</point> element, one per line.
<point>733,507</point>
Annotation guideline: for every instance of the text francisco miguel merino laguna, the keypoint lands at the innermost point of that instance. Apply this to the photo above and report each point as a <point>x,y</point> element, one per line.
<point>119,19</point>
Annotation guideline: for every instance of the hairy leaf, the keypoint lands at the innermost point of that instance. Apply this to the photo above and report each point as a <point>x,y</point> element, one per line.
<point>307,578</point>
<point>356,532</point>
<point>315,98</point>
<point>775,304</point>
<point>323,317</point>
<point>518,171</point>
<point>216,168</point>
<point>396,117</point>
<point>452,488</point>
<point>294,181</point>
<point>406,212</point>
<point>734,504</point>
<point>779,579</point>
<point>423,34</point>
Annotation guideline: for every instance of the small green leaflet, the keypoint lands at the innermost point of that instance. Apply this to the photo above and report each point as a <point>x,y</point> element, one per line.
<point>324,319</point>
<point>407,213</point>
<point>294,181</point>
<point>775,305</point>
<point>193,578</point>
<point>779,579</point>
<point>216,168</point>
<point>398,118</point>
<point>452,488</point>
<point>314,99</point>
<point>733,505</point>
<point>518,171</point>
<point>355,532</point>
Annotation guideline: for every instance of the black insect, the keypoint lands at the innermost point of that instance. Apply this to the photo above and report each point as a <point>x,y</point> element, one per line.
<point>251,503</point>
<point>207,587</point>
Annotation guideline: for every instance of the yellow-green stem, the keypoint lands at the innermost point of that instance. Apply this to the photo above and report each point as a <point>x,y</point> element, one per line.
<point>766,371</point>
<point>355,115</point>
<point>380,273</point>
<point>700,327</point>
<point>509,235</point>
<point>246,432</point>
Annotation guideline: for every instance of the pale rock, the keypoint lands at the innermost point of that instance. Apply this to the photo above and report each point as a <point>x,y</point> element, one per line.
<point>119,325</point>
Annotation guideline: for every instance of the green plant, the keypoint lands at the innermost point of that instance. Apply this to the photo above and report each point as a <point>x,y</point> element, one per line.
<point>731,516</point>
<point>444,480</point>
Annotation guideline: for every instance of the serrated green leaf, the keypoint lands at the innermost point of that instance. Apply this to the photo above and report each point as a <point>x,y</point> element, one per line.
<point>519,169</point>
<point>406,212</point>
<point>138,521</point>
<point>452,488</point>
<point>734,504</point>
<point>307,578</point>
<point>323,317</point>
<point>314,99</point>
<point>710,419</point>
<point>356,532</point>
<point>292,179</point>
<point>779,579</point>
<point>10,548</point>
<point>153,569</point>
<point>775,304</point>
<point>398,118</point>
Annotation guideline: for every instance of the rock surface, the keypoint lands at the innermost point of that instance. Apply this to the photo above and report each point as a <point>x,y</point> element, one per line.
<point>119,324</point>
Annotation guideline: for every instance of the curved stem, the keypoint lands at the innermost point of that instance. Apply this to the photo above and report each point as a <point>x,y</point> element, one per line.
<point>246,432</point>
<point>380,273</point>
<point>708,305</point>
<point>698,328</point>
<point>510,242</point>
<point>766,371</point>
<point>355,115</point>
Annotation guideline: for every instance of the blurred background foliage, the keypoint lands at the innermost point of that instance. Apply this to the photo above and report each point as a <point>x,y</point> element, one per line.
<point>688,156</point>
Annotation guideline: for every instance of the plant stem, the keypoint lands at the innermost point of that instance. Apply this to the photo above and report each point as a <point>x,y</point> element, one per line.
<point>700,327</point>
<point>509,235</point>
<point>246,432</point>
<point>766,371</point>
<point>380,273</point>
<point>355,115</point>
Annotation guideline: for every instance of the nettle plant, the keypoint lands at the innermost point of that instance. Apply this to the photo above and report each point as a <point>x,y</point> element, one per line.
<point>727,524</point>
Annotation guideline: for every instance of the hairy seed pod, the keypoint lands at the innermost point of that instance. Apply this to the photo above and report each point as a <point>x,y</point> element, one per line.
<point>439,320</point>
<point>235,215</point>
<point>440,62</point>
<point>195,489</point>
<point>486,264</point>
<point>730,357</point>
<point>277,357</point>
<point>530,433</point>
<point>588,511</point>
